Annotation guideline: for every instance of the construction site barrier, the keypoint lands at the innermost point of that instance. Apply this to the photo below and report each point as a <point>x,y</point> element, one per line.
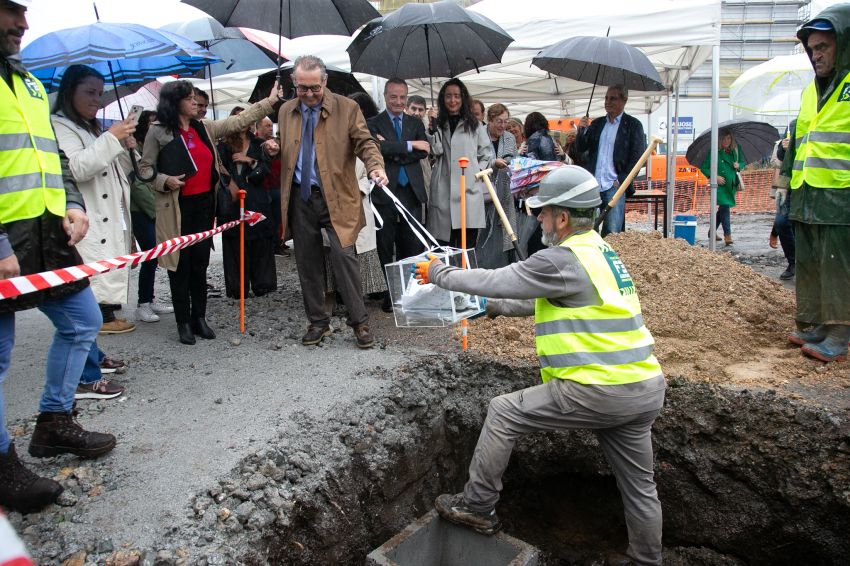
<point>692,195</point>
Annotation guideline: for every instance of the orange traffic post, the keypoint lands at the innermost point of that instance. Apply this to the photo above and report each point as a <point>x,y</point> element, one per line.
<point>464,163</point>
<point>242,195</point>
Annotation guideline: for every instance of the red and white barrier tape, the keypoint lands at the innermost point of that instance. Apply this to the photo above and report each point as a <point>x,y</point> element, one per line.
<point>21,285</point>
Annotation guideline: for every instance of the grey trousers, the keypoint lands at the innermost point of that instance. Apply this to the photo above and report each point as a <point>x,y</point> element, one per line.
<point>307,220</point>
<point>625,441</point>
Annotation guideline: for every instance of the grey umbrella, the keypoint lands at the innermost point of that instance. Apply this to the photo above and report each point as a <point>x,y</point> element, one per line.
<point>235,52</point>
<point>600,60</point>
<point>427,40</point>
<point>755,138</point>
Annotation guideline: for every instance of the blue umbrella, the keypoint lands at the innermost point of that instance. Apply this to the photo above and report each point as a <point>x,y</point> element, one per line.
<point>126,53</point>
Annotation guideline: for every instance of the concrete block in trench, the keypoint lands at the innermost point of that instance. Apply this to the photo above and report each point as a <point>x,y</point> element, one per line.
<point>430,541</point>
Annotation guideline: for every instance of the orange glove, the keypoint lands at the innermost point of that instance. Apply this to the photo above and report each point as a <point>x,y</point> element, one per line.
<point>422,267</point>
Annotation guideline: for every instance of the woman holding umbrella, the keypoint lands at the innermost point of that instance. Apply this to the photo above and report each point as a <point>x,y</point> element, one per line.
<point>729,162</point>
<point>454,132</point>
<point>187,204</point>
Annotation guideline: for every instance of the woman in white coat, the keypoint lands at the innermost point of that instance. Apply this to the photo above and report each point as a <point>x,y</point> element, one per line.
<point>100,164</point>
<point>454,132</point>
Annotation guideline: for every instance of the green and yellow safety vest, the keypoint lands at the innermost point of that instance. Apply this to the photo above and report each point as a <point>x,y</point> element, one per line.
<point>605,344</point>
<point>822,157</point>
<point>30,171</point>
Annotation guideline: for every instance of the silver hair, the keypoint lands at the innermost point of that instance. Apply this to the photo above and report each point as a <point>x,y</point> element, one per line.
<point>624,92</point>
<point>310,63</point>
<point>580,219</point>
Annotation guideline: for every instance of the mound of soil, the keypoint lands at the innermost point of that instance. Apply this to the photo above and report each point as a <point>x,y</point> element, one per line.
<point>713,319</point>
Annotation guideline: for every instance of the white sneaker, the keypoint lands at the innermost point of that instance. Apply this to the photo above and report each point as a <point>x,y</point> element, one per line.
<point>145,313</point>
<point>161,308</point>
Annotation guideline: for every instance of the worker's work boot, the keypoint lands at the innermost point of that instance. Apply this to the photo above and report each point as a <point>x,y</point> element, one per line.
<point>453,508</point>
<point>22,490</point>
<point>833,348</point>
<point>811,336</point>
<point>60,433</point>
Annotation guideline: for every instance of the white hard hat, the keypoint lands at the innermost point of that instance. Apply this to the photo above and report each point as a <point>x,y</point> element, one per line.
<point>569,186</point>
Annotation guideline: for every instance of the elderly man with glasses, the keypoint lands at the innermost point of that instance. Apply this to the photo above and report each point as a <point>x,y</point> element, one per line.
<point>321,134</point>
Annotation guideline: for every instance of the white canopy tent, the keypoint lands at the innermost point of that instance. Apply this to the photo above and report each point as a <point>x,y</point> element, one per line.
<point>676,35</point>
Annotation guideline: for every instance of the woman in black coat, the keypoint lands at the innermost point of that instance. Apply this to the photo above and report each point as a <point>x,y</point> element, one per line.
<point>247,167</point>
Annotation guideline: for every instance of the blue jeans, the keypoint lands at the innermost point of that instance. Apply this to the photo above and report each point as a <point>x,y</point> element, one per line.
<point>91,371</point>
<point>615,221</point>
<point>724,217</point>
<point>144,229</point>
<point>77,321</point>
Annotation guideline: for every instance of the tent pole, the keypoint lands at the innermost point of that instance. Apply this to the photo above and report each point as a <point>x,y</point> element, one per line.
<point>672,198</point>
<point>670,156</point>
<point>715,90</point>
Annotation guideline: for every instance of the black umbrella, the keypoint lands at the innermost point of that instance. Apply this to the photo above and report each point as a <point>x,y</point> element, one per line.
<point>427,40</point>
<point>339,82</point>
<point>600,60</point>
<point>290,18</point>
<point>755,138</point>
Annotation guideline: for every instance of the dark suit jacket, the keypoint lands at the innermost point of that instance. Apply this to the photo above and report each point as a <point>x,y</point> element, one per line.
<point>396,155</point>
<point>629,145</point>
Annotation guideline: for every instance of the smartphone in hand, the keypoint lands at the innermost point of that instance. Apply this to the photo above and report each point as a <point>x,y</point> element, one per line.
<point>135,112</point>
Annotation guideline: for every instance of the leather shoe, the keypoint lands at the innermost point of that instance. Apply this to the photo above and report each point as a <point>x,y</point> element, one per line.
<point>202,329</point>
<point>315,334</point>
<point>363,336</point>
<point>184,331</point>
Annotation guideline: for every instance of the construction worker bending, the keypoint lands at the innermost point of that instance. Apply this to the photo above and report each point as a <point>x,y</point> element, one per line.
<point>595,354</point>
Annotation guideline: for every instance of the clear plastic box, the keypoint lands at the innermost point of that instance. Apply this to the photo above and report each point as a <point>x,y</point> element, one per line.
<point>429,305</point>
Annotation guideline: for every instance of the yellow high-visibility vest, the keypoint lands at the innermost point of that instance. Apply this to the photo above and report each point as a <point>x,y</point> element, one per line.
<point>606,344</point>
<point>30,171</point>
<point>822,158</point>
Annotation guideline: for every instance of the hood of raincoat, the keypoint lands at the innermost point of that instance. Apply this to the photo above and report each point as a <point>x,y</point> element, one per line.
<point>839,16</point>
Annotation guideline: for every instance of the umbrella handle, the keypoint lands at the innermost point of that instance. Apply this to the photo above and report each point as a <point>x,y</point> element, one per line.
<point>138,173</point>
<point>628,181</point>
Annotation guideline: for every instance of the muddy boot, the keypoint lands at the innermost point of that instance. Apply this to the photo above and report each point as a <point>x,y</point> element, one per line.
<point>453,508</point>
<point>20,489</point>
<point>811,336</point>
<point>833,348</point>
<point>59,433</point>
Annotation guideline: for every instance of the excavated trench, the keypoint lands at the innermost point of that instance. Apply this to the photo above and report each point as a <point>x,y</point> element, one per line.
<point>744,476</point>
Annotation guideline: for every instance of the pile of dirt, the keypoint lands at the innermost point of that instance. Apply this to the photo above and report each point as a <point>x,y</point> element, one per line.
<point>713,319</point>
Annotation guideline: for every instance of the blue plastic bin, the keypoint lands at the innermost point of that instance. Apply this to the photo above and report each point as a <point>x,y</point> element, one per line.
<point>685,227</point>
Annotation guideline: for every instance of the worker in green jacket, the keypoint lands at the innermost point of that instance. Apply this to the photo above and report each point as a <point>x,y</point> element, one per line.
<point>819,169</point>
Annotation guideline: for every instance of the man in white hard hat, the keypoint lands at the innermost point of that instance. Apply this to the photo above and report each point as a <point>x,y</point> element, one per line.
<point>42,217</point>
<point>595,353</point>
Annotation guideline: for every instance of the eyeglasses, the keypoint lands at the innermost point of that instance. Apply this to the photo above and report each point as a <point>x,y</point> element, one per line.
<point>500,122</point>
<point>302,89</point>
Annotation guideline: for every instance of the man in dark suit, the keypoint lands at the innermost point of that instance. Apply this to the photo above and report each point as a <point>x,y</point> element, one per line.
<point>403,146</point>
<point>613,144</point>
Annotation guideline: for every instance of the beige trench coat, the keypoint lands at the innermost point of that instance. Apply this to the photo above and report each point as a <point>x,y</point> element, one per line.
<point>167,201</point>
<point>444,200</point>
<point>340,135</point>
<point>100,166</point>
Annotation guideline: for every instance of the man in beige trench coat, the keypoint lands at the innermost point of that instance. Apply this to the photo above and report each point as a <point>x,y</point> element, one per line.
<point>319,190</point>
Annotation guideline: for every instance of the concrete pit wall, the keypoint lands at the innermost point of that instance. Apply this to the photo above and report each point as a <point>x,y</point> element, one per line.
<point>744,476</point>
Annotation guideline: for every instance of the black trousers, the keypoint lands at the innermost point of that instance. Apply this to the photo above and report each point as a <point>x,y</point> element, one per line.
<point>260,271</point>
<point>395,240</point>
<point>454,238</point>
<point>189,282</point>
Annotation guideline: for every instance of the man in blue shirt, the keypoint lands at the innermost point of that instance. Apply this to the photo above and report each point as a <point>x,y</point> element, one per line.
<point>614,144</point>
